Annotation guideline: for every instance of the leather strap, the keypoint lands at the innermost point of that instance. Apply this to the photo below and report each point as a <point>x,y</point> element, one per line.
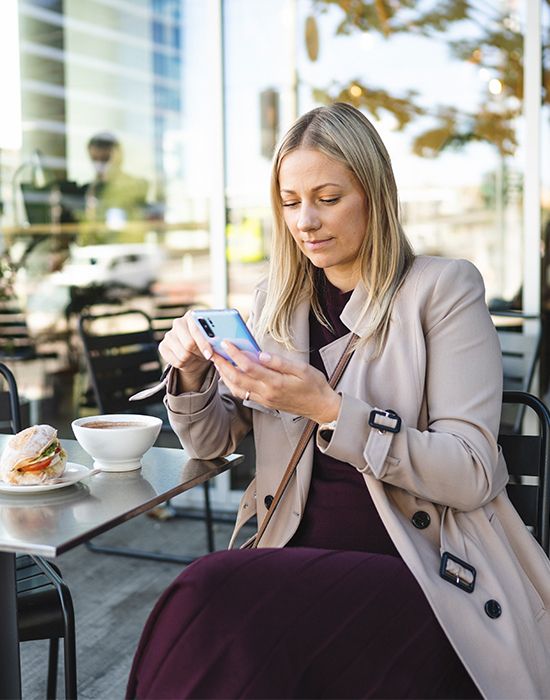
<point>302,444</point>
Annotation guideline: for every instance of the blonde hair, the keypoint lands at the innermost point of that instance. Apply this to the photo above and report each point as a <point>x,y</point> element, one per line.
<point>344,134</point>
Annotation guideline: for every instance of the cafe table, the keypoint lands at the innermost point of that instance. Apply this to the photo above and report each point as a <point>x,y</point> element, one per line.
<point>48,523</point>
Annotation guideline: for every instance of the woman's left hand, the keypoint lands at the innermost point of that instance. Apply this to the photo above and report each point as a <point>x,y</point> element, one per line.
<point>274,382</point>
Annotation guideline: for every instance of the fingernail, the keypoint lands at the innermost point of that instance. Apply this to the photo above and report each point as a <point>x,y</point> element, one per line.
<point>224,345</point>
<point>264,356</point>
<point>207,354</point>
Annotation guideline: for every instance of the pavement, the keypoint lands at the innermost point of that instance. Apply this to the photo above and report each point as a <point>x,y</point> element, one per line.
<point>112,597</point>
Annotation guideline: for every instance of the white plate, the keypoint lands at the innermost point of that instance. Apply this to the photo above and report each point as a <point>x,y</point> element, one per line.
<point>73,474</point>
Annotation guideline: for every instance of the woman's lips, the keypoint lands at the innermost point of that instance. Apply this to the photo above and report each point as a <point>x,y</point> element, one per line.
<point>317,245</point>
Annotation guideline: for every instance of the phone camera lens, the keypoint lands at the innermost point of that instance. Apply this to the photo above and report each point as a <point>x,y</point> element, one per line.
<point>208,330</point>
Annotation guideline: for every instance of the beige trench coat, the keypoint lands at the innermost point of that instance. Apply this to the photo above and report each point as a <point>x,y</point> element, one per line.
<point>440,371</point>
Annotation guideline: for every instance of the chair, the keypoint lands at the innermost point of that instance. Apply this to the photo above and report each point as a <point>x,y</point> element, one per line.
<point>15,340</point>
<point>44,603</point>
<point>122,358</point>
<point>520,347</point>
<point>165,311</point>
<point>528,461</point>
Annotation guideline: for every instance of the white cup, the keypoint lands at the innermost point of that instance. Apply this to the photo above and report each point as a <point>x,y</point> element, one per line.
<point>117,441</point>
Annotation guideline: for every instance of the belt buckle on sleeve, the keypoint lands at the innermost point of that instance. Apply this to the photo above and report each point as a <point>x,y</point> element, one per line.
<point>385,427</point>
<point>449,573</point>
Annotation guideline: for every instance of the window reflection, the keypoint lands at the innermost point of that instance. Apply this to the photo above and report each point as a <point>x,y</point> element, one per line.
<point>109,197</point>
<point>105,160</point>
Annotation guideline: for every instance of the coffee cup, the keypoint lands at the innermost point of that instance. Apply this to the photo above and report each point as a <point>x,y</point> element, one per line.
<point>117,441</point>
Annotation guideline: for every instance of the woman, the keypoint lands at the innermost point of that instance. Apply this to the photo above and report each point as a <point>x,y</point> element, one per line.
<point>395,565</point>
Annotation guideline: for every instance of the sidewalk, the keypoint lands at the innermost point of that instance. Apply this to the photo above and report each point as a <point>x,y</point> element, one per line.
<point>112,597</point>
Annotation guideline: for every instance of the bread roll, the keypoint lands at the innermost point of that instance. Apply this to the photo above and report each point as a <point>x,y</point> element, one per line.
<point>33,456</point>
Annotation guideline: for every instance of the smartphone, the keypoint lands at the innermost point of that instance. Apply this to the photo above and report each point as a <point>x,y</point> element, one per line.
<point>225,324</point>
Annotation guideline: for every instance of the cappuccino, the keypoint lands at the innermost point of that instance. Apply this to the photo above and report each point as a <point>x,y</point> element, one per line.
<point>111,424</point>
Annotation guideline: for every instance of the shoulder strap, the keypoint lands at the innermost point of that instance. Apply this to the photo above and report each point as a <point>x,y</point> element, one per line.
<point>302,443</point>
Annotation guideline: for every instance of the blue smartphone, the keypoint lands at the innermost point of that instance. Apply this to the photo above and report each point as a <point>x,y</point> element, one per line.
<point>225,324</point>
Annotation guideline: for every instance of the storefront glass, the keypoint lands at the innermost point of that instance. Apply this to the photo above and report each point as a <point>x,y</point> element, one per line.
<point>444,92</point>
<point>134,150</point>
<point>107,199</point>
<point>443,87</point>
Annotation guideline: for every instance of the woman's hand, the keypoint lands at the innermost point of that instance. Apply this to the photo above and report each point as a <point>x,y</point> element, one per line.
<point>274,382</point>
<point>185,348</point>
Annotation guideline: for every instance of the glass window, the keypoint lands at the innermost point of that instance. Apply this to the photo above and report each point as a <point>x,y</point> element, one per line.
<point>443,86</point>
<point>114,151</point>
<point>111,177</point>
<point>112,166</point>
<point>259,105</point>
<point>444,90</point>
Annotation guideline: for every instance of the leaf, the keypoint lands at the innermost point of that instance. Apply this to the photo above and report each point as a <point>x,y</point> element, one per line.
<point>374,100</point>
<point>497,47</point>
<point>397,16</point>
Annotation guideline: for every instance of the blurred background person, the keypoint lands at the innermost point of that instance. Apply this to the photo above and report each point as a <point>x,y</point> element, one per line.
<point>113,196</point>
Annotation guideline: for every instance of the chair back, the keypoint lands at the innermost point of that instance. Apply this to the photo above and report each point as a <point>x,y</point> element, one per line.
<point>13,418</point>
<point>520,348</point>
<point>15,340</point>
<point>528,461</point>
<point>165,311</point>
<point>122,358</point>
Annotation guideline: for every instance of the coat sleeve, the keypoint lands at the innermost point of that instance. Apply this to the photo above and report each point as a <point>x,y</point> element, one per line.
<point>212,422</point>
<point>456,460</point>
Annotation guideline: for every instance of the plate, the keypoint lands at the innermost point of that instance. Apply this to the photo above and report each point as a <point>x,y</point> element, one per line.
<point>73,473</point>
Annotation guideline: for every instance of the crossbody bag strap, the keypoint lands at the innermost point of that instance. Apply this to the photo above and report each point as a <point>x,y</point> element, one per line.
<point>302,443</point>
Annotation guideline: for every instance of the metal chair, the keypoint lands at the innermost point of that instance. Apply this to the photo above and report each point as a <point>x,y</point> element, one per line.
<point>528,461</point>
<point>44,603</point>
<point>520,347</point>
<point>122,358</point>
<point>166,309</point>
<point>16,342</point>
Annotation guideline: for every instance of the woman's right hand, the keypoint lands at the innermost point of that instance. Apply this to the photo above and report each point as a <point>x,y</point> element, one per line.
<point>185,349</point>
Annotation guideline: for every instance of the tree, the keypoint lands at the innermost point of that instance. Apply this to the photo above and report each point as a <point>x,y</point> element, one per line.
<point>496,47</point>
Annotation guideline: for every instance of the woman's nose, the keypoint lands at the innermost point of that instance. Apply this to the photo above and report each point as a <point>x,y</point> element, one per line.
<point>308,219</point>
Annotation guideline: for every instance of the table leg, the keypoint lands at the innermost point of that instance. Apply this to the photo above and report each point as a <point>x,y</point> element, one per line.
<point>10,674</point>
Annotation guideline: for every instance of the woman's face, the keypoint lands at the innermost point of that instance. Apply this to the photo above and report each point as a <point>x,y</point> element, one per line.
<point>325,210</point>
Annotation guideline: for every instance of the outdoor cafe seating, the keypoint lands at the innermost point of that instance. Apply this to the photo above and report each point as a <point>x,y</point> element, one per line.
<point>44,602</point>
<point>122,359</point>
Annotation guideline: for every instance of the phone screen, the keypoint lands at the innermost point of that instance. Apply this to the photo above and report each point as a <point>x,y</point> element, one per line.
<point>225,324</point>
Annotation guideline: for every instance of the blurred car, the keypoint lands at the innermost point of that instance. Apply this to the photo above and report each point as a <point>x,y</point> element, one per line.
<point>132,265</point>
<point>95,274</point>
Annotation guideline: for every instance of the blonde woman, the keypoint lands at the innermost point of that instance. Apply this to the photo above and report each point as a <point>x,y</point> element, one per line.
<point>395,565</point>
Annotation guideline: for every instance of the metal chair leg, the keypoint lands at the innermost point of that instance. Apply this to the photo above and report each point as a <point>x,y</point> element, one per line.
<point>69,642</point>
<point>69,659</point>
<point>51,691</point>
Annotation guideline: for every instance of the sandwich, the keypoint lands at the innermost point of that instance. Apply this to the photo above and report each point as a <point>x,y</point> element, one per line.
<point>33,456</point>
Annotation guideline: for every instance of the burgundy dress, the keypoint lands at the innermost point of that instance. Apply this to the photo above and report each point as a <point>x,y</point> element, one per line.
<point>334,614</point>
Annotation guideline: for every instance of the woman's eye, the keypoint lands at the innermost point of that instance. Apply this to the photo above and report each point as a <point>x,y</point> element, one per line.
<point>289,204</point>
<point>330,200</point>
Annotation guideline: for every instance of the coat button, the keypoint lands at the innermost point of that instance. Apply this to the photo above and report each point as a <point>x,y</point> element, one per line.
<point>268,500</point>
<point>421,519</point>
<point>493,609</point>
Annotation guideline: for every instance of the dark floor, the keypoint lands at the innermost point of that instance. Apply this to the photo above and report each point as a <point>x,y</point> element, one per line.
<point>112,597</point>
